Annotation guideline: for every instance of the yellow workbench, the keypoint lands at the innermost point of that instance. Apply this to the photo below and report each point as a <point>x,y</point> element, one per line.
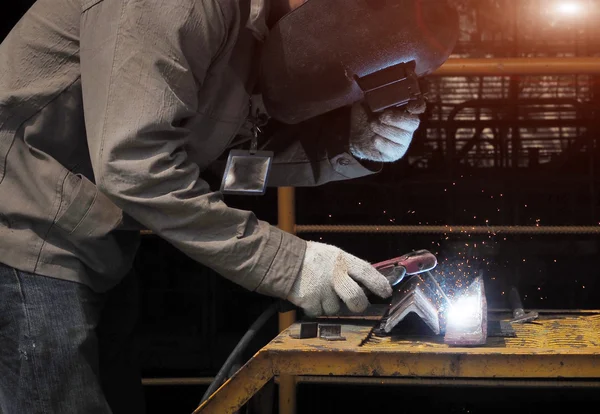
<point>563,346</point>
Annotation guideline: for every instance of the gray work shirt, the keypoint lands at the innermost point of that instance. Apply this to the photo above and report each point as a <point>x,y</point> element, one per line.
<point>114,109</point>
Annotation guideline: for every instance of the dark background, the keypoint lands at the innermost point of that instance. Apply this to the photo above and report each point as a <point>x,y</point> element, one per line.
<point>508,162</point>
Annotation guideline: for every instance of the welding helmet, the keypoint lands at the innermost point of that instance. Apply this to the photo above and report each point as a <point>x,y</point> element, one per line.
<point>327,54</point>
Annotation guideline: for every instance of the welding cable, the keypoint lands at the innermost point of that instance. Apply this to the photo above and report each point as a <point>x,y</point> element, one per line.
<point>239,348</point>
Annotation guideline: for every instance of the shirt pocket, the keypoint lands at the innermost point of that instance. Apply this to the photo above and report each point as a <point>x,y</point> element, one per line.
<point>89,213</point>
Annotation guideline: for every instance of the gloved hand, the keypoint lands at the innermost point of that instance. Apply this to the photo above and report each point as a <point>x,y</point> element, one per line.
<point>386,137</point>
<point>329,274</point>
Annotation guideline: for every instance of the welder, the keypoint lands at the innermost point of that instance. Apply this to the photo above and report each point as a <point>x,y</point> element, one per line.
<point>113,114</point>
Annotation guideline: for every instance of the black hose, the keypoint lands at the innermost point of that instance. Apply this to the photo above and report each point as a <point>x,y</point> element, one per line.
<point>239,348</point>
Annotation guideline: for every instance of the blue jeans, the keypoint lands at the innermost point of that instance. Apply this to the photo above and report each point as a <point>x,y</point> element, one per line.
<point>65,348</point>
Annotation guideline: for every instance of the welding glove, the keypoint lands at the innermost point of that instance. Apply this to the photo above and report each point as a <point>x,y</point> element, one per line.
<point>384,137</point>
<point>329,274</point>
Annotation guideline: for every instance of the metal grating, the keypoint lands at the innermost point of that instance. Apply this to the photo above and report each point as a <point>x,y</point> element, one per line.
<point>508,130</point>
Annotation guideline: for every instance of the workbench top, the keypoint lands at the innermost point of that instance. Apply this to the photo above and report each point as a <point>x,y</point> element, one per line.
<point>558,333</point>
<point>559,348</point>
<point>554,346</point>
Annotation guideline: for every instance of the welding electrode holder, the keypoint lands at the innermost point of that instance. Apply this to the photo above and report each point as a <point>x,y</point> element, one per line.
<point>394,86</point>
<point>519,314</point>
<point>515,302</point>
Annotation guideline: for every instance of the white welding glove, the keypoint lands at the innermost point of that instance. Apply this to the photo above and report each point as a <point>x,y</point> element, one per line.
<point>329,274</point>
<point>387,136</point>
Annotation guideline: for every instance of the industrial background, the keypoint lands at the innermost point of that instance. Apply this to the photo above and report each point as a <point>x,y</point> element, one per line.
<point>491,151</point>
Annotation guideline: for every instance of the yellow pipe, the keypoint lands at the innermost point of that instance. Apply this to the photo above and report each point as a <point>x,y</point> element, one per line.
<point>286,203</point>
<point>520,66</point>
<point>286,209</point>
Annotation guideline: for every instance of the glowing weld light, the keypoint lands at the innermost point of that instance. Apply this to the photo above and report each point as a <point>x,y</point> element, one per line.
<point>569,8</point>
<point>465,312</point>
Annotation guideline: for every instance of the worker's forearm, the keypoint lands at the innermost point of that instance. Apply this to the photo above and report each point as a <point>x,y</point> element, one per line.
<point>233,242</point>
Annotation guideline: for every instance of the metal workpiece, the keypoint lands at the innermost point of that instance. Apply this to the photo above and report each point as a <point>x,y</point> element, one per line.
<point>417,296</point>
<point>416,302</point>
<point>462,320</point>
<point>467,318</point>
<point>561,347</point>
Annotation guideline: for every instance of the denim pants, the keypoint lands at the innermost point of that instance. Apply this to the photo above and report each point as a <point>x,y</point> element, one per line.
<point>65,348</point>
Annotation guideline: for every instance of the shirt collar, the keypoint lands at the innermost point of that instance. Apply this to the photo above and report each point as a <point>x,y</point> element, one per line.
<point>257,20</point>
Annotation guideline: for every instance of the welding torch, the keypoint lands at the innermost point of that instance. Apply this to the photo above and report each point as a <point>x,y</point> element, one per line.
<point>413,263</point>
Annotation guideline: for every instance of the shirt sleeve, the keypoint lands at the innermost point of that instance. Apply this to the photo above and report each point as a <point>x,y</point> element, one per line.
<point>316,152</point>
<point>142,64</point>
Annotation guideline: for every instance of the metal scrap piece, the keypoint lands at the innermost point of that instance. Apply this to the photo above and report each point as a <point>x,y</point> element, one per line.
<point>307,330</point>
<point>331,332</point>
